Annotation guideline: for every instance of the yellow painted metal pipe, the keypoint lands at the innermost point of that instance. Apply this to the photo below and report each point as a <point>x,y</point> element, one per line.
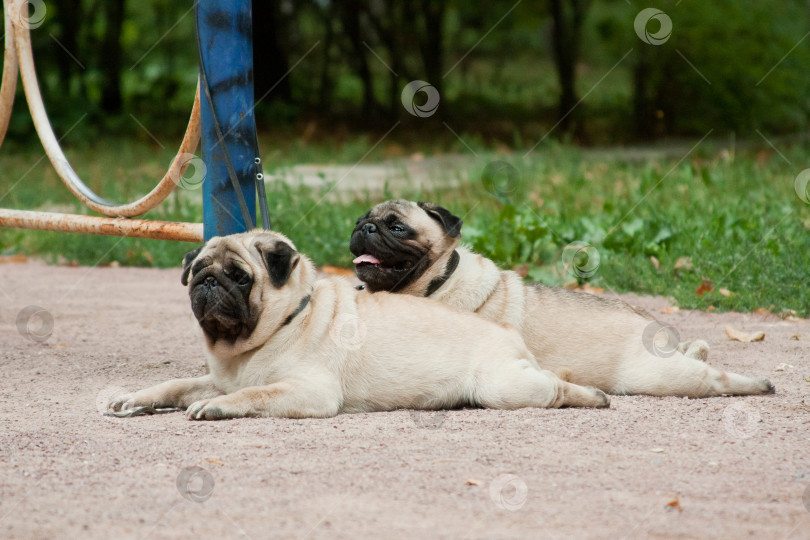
<point>132,228</point>
<point>8,84</point>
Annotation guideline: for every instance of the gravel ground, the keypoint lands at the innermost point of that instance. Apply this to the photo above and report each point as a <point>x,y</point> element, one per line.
<point>647,467</point>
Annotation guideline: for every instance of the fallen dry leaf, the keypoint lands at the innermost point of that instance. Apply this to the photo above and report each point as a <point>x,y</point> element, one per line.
<point>783,367</point>
<point>522,270</point>
<point>762,311</point>
<point>797,337</point>
<point>536,199</point>
<point>473,482</point>
<point>656,450</point>
<point>335,271</point>
<point>16,259</point>
<point>214,461</point>
<point>674,504</point>
<point>724,292</point>
<point>710,308</point>
<point>736,335</point>
<point>393,150</point>
<point>670,310</point>
<point>790,315</point>
<point>585,287</point>
<point>705,286</point>
<point>683,263</point>
<point>588,288</point>
<point>655,262</point>
<point>763,156</point>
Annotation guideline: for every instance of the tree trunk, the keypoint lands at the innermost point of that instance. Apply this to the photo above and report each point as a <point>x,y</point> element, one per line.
<point>390,37</point>
<point>568,17</point>
<point>69,16</point>
<point>350,12</point>
<point>432,46</point>
<point>270,64</point>
<point>325,85</point>
<point>111,56</point>
<point>643,118</point>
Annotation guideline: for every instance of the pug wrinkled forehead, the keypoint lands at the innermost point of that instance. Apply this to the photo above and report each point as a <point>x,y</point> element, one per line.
<point>239,254</point>
<point>402,212</point>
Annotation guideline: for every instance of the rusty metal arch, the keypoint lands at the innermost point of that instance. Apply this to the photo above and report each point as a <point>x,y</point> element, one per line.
<point>18,57</point>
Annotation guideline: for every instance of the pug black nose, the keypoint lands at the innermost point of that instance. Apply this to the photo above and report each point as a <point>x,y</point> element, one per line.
<point>369,228</point>
<point>211,282</point>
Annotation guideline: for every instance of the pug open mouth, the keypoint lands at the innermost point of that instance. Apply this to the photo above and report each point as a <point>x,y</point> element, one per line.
<point>367,259</point>
<point>387,275</point>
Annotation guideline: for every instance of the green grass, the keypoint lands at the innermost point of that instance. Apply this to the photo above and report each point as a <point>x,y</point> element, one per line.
<point>735,215</point>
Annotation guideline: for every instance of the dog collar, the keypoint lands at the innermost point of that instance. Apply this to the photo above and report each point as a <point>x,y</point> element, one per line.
<point>304,301</point>
<point>452,264</point>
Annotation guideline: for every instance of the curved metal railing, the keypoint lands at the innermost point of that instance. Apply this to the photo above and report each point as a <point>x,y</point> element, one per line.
<point>18,57</point>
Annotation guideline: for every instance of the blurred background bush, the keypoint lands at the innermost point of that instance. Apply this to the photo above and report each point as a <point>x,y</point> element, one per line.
<point>507,71</point>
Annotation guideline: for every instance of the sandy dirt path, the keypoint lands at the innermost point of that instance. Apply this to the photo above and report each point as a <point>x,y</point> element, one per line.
<point>735,466</point>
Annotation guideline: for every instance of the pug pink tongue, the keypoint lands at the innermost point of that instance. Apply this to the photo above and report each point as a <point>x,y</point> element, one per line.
<point>366,259</point>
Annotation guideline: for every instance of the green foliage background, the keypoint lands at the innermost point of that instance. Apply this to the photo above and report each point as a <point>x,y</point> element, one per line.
<point>727,65</point>
<point>732,72</point>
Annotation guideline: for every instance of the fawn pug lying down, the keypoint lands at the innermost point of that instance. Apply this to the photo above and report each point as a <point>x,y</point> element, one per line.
<point>279,342</point>
<point>413,249</point>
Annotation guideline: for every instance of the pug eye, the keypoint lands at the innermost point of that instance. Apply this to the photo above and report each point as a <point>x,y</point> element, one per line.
<point>397,228</point>
<point>240,277</point>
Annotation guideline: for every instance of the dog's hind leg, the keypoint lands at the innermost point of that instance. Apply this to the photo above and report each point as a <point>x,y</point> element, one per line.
<point>519,383</point>
<point>679,375</point>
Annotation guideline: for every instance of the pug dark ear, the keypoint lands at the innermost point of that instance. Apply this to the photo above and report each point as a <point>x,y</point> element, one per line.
<point>280,260</point>
<point>451,223</point>
<point>187,260</point>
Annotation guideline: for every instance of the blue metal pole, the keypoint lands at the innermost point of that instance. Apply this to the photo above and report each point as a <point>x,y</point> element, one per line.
<point>225,35</point>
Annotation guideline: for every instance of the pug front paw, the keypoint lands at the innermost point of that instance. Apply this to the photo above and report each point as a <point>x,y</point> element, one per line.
<point>213,409</point>
<point>121,402</point>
